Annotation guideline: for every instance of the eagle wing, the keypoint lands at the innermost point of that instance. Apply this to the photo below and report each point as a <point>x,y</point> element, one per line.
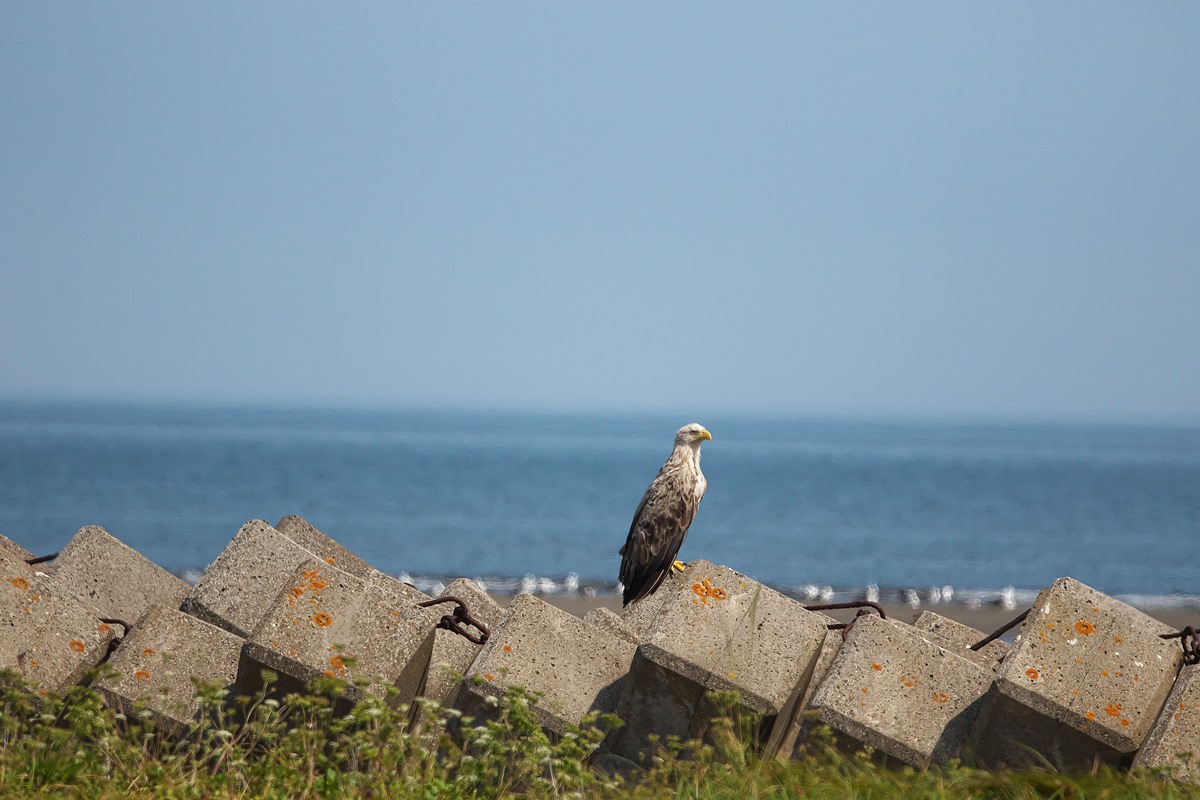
<point>659,526</point>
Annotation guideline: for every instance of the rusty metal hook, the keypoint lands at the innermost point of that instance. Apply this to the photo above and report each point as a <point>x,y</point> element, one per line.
<point>461,616</point>
<point>1189,639</point>
<point>844,627</point>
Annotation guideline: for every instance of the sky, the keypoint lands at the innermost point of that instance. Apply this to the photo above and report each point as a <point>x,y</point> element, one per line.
<point>804,208</point>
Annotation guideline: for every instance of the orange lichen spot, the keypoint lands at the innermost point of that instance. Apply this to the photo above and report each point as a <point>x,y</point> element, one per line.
<point>1078,660</point>
<point>76,645</point>
<point>296,591</point>
<point>149,651</point>
<point>338,665</point>
<point>321,619</point>
<point>706,591</point>
<point>291,651</point>
<point>940,697</point>
<point>877,667</point>
<point>35,597</point>
<point>1137,677</point>
<point>489,676</point>
<point>1032,674</point>
<point>142,675</point>
<point>104,627</point>
<point>1125,721</point>
<point>1085,628</point>
<point>1075,692</point>
<point>19,583</point>
<point>909,680</point>
<point>330,560</point>
<point>1117,640</point>
<point>1091,715</point>
<point>507,648</point>
<point>864,690</point>
<point>1113,709</point>
<point>1103,673</point>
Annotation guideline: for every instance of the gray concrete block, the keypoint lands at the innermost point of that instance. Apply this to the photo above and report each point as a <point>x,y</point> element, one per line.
<point>1173,743</point>
<point>578,668</point>
<point>958,638</point>
<point>156,663</point>
<point>15,551</point>
<point>238,589</point>
<point>303,533</point>
<point>715,630</point>
<point>893,689</point>
<point>453,653</point>
<point>102,572</point>
<point>791,729</point>
<point>611,622</point>
<point>324,622</point>
<point>1085,679</point>
<point>640,617</point>
<point>48,639</point>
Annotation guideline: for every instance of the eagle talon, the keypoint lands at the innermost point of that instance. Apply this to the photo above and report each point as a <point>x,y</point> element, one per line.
<point>678,566</point>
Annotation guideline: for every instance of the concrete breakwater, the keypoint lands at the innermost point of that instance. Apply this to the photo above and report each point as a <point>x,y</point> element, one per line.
<point>1087,679</point>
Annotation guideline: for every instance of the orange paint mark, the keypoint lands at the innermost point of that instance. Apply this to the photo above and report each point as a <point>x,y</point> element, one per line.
<point>142,675</point>
<point>706,591</point>
<point>876,667</point>
<point>507,648</point>
<point>77,645</point>
<point>1032,674</point>
<point>1091,715</point>
<point>19,583</point>
<point>322,619</point>
<point>1113,709</point>
<point>1084,627</point>
<point>940,697</point>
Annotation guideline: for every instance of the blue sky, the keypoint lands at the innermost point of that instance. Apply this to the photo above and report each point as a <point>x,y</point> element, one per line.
<point>875,208</point>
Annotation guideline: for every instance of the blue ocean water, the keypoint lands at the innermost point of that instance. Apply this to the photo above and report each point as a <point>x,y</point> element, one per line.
<point>811,506</point>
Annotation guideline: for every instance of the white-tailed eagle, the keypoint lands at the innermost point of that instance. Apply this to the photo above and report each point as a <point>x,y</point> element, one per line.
<point>662,518</point>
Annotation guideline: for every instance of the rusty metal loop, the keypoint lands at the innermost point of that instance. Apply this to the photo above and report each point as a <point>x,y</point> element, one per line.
<point>984,642</point>
<point>41,559</point>
<point>1189,639</point>
<point>456,620</point>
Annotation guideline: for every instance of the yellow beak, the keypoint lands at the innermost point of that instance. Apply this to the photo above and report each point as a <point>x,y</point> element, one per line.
<point>705,435</point>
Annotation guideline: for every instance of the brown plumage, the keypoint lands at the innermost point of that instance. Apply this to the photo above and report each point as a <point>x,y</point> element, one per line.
<point>662,518</point>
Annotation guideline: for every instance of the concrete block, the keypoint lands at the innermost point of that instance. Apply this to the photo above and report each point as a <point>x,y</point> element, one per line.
<point>14,551</point>
<point>453,653</point>
<point>239,588</point>
<point>791,729</point>
<point>958,638</point>
<point>891,688</point>
<point>608,620</point>
<point>99,571</point>
<point>641,616</point>
<point>716,630</point>
<point>578,668</point>
<point>155,665</point>
<point>48,639</point>
<point>303,533</point>
<point>1173,743</point>
<point>1084,680</point>
<point>369,633</point>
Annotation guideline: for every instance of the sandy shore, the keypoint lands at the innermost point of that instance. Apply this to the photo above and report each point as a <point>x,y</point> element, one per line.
<point>986,619</point>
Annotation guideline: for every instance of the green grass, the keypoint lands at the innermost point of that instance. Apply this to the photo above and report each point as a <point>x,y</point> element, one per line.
<point>310,746</point>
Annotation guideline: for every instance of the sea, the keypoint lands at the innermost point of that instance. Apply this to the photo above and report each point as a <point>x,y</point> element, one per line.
<point>925,512</point>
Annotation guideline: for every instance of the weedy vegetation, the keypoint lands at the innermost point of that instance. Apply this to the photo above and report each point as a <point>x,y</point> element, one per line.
<point>313,746</point>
